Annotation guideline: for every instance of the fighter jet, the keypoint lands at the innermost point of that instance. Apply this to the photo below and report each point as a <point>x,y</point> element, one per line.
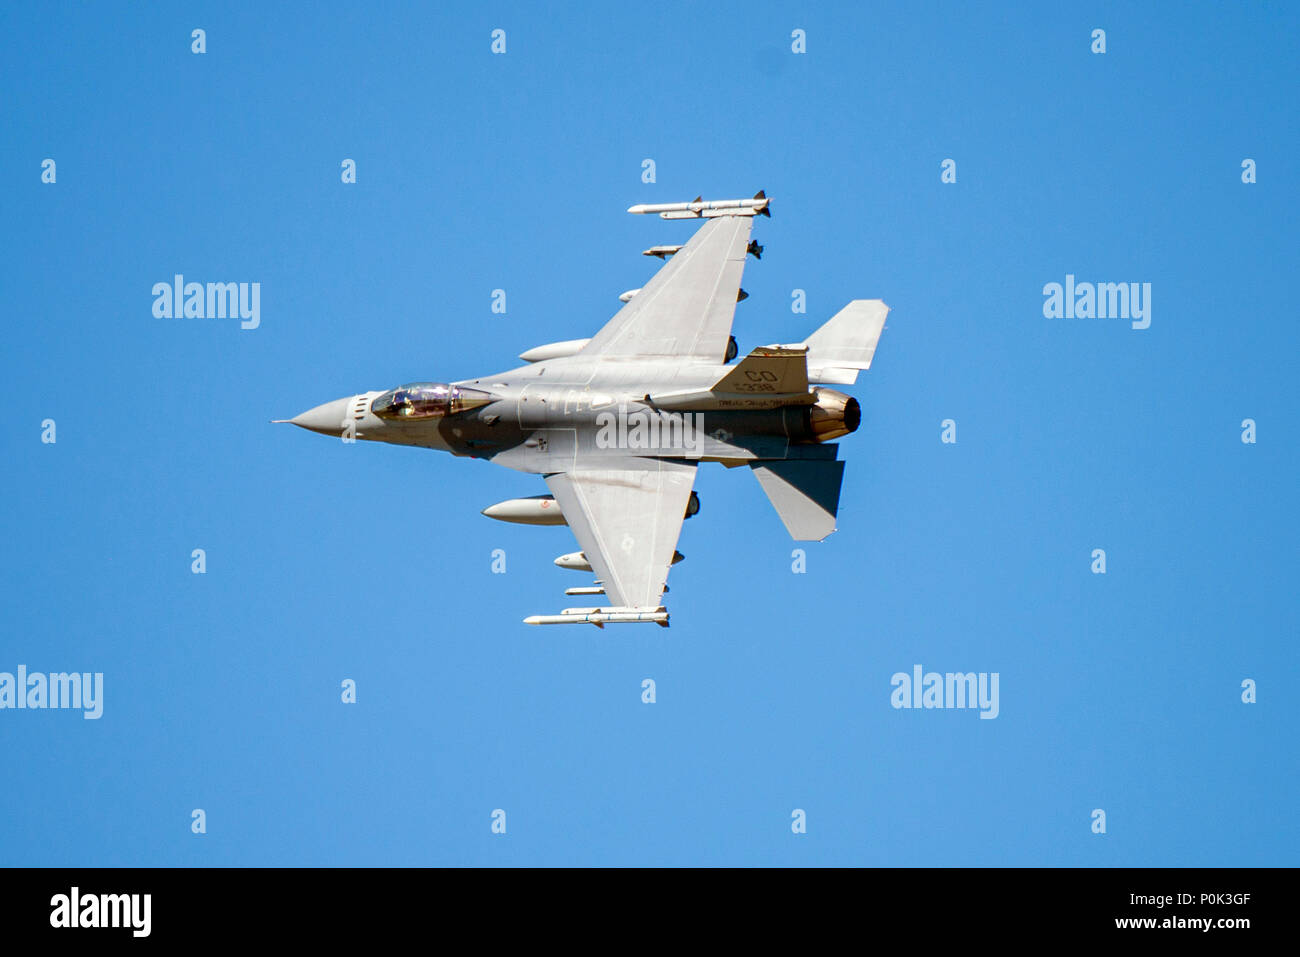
<point>617,424</point>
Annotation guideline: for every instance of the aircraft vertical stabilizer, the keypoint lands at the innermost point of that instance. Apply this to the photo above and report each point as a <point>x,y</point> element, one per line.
<point>846,344</point>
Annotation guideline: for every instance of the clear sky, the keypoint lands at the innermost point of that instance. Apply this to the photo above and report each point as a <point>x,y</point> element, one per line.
<point>475,171</point>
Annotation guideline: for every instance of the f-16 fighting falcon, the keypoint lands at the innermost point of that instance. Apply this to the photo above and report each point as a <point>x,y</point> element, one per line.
<point>617,424</point>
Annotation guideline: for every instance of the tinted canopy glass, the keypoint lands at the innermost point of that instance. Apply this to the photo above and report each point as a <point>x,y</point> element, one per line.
<point>427,400</point>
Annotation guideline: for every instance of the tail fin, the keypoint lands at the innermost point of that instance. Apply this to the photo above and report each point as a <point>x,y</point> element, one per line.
<point>768,377</point>
<point>846,343</point>
<point>768,370</point>
<point>805,493</point>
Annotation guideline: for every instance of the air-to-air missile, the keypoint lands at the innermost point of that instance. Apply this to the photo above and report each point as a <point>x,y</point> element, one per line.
<point>577,561</point>
<point>599,616</point>
<point>700,208</point>
<point>596,589</point>
<point>663,252</point>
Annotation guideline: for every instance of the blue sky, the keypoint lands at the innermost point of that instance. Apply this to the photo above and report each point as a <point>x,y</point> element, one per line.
<point>478,171</point>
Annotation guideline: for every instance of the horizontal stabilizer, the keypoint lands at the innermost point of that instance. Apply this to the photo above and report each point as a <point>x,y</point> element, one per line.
<point>805,493</point>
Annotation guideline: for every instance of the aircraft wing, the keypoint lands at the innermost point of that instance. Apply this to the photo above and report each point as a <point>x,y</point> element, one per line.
<point>686,309</point>
<point>627,521</point>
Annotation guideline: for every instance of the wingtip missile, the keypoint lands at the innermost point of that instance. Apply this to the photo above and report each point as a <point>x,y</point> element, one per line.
<point>613,615</point>
<point>560,620</point>
<point>700,208</point>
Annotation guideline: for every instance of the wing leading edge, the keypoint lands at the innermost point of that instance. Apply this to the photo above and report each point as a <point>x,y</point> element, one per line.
<point>686,309</point>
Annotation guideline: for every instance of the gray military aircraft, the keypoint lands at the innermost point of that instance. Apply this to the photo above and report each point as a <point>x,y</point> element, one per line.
<point>617,424</point>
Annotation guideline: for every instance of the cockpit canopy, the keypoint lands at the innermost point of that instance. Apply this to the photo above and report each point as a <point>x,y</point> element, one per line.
<point>427,400</point>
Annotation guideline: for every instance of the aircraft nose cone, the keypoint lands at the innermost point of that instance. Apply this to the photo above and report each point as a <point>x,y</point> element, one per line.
<point>327,419</point>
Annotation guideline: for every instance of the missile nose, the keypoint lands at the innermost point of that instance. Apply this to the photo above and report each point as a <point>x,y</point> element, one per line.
<point>327,419</point>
